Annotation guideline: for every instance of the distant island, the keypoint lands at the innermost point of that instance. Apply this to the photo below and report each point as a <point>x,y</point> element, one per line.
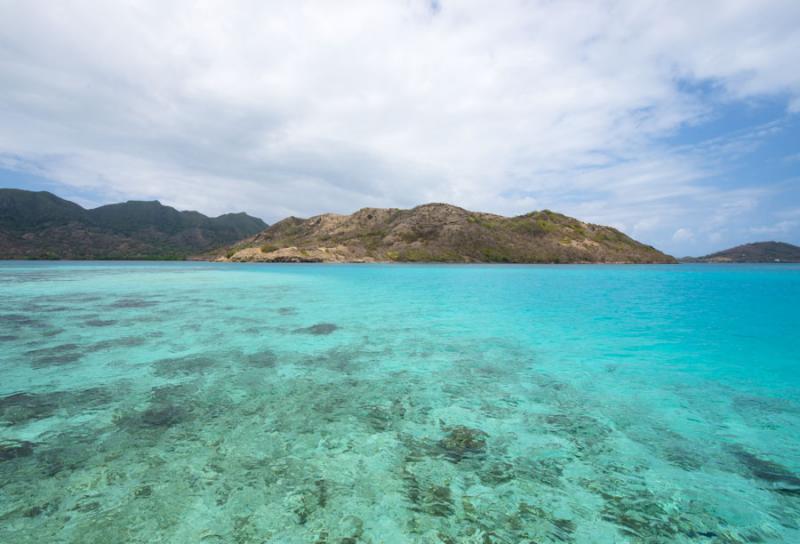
<point>441,233</point>
<point>758,252</point>
<point>40,225</point>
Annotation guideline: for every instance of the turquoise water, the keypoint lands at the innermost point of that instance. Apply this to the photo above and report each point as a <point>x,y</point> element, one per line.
<point>211,403</point>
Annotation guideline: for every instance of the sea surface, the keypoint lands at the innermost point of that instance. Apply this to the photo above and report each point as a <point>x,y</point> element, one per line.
<point>250,403</point>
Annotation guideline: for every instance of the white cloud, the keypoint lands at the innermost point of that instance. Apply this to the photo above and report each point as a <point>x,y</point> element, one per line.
<point>302,107</point>
<point>683,235</point>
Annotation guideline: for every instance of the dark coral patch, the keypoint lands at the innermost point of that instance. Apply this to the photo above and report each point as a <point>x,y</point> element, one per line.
<point>19,320</point>
<point>122,342</point>
<point>497,473</point>
<point>100,322</point>
<point>262,359</point>
<point>425,497</point>
<point>588,434</point>
<point>157,415</point>
<point>143,491</point>
<point>183,366</point>
<point>39,509</point>
<point>379,418</point>
<point>56,360</point>
<point>73,450</point>
<point>61,354</point>
<point>133,303</point>
<point>55,350</point>
<point>779,478</point>
<point>14,449</point>
<point>320,329</point>
<point>461,442</point>
<point>165,415</point>
<point>173,393</point>
<point>24,407</point>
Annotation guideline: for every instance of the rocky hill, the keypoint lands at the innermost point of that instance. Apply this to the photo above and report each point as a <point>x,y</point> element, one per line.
<point>758,252</point>
<point>441,233</point>
<point>40,225</point>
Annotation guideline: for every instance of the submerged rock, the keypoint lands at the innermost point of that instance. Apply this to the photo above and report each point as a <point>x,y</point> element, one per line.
<point>319,329</point>
<point>143,491</point>
<point>39,509</point>
<point>461,442</point>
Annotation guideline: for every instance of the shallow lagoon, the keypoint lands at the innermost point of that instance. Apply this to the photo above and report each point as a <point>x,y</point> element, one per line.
<point>197,402</point>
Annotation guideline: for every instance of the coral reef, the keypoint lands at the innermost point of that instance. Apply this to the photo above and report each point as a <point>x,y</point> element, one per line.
<point>320,329</point>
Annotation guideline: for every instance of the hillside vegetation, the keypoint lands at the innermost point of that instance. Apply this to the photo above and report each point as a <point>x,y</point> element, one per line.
<point>40,225</point>
<point>441,233</point>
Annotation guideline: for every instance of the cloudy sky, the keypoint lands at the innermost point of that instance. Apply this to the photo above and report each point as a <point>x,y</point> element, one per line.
<point>675,121</point>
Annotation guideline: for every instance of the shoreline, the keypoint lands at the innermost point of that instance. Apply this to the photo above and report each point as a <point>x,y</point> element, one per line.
<point>210,261</point>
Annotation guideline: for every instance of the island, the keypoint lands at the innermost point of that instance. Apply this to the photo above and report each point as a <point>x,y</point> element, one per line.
<point>440,233</point>
<point>758,252</point>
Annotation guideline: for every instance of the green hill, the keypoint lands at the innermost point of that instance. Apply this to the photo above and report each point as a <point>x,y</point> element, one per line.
<point>40,225</point>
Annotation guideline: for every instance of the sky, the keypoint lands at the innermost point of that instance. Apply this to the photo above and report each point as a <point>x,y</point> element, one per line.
<point>677,122</point>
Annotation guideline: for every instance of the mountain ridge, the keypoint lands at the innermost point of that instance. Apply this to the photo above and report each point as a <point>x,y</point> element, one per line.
<point>439,232</point>
<point>41,225</point>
